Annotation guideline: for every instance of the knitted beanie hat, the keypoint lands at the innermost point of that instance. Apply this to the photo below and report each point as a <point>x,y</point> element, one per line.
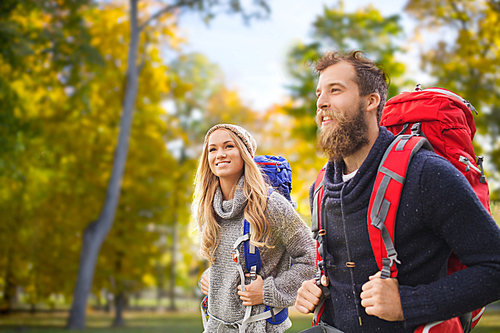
<point>242,133</point>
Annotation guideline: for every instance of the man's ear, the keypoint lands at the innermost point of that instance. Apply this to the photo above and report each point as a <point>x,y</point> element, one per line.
<point>372,102</point>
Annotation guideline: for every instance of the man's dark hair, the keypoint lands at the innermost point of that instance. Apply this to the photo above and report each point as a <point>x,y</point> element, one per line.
<point>370,77</point>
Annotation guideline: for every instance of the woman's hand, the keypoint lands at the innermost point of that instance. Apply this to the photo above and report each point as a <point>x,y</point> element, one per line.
<point>254,292</point>
<point>204,283</point>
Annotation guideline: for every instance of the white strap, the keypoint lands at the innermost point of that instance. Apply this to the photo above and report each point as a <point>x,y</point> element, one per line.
<point>242,276</point>
<point>248,310</point>
<point>316,312</point>
<point>264,315</point>
<point>203,317</point>
<point>428,327</point>
<point>478,315</point>
<point>251,247</point>
<point>240,240</point>
<point>244,323</point>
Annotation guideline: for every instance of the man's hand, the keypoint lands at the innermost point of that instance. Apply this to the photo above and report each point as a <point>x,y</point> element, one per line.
<point>380,298</point>
<point>254,292</point>
<point>204,284</point>
<point>309,295</point>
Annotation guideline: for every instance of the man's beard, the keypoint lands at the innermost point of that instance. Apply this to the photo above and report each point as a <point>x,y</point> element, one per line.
<point>347,137</point>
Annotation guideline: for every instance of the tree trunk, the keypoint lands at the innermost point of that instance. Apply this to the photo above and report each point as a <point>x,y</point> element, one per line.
<point>9,293</point>
<point>173,263</point>
<point>97,231</point>
<point>159,287</point>
<point>119,303</point>
<point>107,306</point>
<point>120,292</point>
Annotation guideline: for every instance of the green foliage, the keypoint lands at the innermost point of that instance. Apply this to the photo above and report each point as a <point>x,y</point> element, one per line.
<point>43,45</point>
<point>62,80</point>
<point>34,33</point>
<point>73,105</point>
<point>467,63</point>
<point>366,30</point>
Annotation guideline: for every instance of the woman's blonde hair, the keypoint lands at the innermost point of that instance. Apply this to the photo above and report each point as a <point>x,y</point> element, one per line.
<point>255,190</point>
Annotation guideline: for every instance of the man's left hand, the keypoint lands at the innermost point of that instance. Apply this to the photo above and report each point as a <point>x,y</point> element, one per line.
<point>380,297</point>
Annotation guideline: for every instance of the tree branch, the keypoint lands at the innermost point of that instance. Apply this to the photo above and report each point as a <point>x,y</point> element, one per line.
<point>178,4</point>
<point>458,11</point>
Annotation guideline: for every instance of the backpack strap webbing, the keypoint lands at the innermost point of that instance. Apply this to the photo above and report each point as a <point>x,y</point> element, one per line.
<point>385,197</point>
<point>317,226</point>
<point>318,196</point>
<point>319,234</point>
<point>253,264</point>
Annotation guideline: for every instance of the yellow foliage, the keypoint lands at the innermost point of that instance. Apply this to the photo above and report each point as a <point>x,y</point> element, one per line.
<point>68,158</point>
<point>276,135</point>
<point>149,280</point>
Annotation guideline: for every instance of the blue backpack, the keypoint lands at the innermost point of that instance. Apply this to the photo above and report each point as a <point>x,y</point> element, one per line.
<point>277,173</point>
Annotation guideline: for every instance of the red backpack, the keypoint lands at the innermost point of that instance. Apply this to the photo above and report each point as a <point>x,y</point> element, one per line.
<point>435,119</point>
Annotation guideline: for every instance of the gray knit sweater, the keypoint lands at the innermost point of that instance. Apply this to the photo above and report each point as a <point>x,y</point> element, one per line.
<point>292,243</point>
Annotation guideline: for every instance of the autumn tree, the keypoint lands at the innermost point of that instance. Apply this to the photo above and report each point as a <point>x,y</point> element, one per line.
<point>365,29</point>
<point>36,45</point>
<point>96,232</point>
<point>464,59</point>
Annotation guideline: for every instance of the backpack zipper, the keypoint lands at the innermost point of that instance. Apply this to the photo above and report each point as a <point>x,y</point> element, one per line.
<point>449,93</point>
<point>278,165</point>
<point>469,165</point>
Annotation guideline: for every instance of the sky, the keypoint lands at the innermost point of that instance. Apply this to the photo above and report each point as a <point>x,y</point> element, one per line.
<point>253,57</point>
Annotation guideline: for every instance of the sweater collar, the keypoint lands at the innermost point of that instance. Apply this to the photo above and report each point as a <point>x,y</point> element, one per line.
<point>230,208</point>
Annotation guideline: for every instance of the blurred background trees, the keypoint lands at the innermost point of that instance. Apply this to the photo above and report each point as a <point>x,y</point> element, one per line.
<point>62,86</point>
<point>366,29</point>
<point>467,63</point>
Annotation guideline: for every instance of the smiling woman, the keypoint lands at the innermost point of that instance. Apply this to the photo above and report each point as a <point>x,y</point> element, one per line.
<point>230,193</point>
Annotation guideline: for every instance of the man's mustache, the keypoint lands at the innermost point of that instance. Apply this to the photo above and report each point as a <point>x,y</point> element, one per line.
<point>335,115</point>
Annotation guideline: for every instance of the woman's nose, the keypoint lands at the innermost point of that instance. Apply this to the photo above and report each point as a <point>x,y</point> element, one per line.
<point>221,154</point>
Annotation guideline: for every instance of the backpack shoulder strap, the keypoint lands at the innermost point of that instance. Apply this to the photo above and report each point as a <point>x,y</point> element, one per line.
<point>252,254</point>
<point>318,198</point>
<point>253,263</point>
<point>385,197</point>
<point>319,233</point>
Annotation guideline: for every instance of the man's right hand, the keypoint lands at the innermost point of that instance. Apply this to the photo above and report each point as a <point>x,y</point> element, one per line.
<point>204,283</point>
<point>309,295</point>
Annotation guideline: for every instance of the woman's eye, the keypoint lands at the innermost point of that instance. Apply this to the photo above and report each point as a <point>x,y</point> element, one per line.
<point>211,150</point>
<point>229,146</point>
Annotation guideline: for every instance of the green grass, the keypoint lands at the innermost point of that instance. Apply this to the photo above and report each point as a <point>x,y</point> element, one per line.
<point>136,322</point>
<point>156,322</point>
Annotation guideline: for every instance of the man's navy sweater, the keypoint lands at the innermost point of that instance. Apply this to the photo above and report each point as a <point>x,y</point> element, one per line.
<point>438,213</point>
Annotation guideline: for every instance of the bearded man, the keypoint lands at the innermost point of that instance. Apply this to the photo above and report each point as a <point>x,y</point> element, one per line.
<point>438,214</point>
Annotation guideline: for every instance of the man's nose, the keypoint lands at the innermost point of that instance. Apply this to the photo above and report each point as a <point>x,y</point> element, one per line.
<point>322,103</point>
